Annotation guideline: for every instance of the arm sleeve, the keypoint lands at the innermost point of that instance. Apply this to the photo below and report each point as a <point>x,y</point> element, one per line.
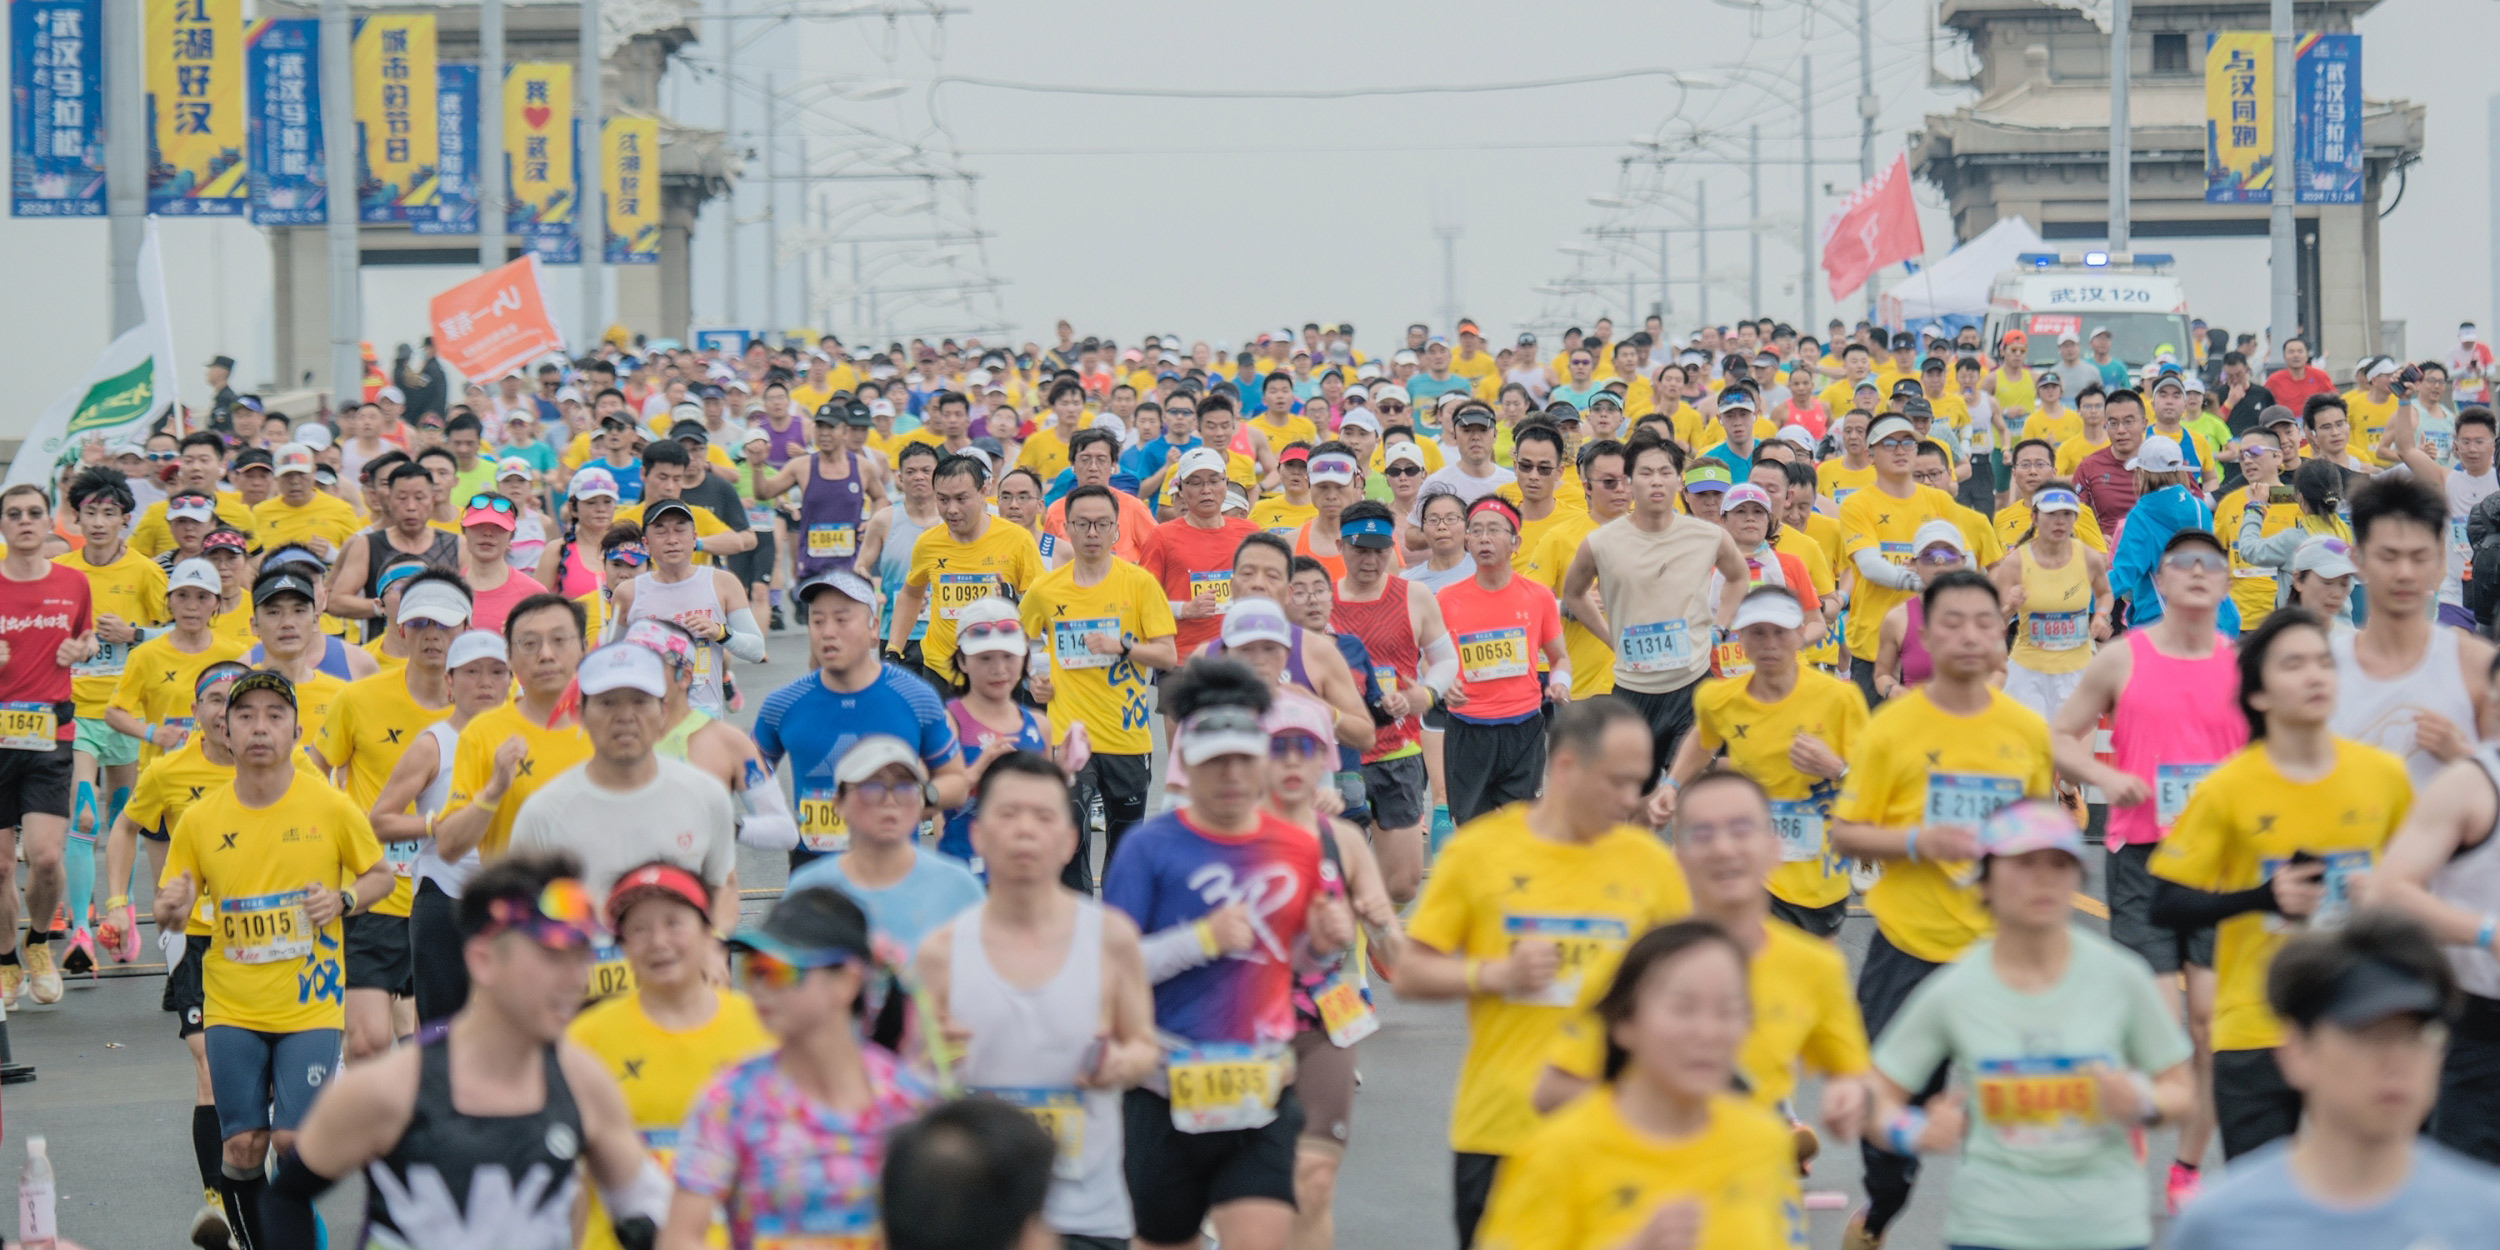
<point>1172,952</point>
<point>746,640</point>
<point>1872,566</point>
<point>2185,908</point>
<point>1440,665</point>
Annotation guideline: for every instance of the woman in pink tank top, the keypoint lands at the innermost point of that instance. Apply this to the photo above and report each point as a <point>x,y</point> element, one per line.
<point>2173,722</point>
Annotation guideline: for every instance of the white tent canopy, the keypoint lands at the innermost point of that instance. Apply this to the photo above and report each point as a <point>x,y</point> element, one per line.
<point>1958,284</point>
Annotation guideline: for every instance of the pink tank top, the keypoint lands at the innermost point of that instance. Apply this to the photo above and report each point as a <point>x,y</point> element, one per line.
<point>2175,720</point>
<point>1916,665</point>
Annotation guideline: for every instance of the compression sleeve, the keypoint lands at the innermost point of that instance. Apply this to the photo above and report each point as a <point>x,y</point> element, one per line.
<point>1171,952</point>
<point>2187,908</point>
<point>765,822</point>
<point>1440,666</point>
<point>1872,566</point>
<point>637,1211</point>
<point>286,1205</point>
<point>745,640</point>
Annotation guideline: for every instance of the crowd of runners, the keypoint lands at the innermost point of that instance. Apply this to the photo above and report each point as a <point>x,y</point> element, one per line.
<point>1596,685</point>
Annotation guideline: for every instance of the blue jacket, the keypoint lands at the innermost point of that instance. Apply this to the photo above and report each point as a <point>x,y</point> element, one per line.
<point>2149,524</point>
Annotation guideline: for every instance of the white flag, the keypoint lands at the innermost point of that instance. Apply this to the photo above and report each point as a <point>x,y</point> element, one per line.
<point>130,383</point>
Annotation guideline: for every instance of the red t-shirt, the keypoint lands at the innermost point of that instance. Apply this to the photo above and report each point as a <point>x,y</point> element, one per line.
<point>1186,560</point>
<point>2292,392</point>
<point>36,617</point>
<point>489,608</point>
<point>1499,634</point>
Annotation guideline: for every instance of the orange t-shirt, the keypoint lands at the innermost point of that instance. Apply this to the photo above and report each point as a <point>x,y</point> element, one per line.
<point>1137,525</point>
<point>1499,633</point>
<point>1188,560</point>
<point>1302,547</point>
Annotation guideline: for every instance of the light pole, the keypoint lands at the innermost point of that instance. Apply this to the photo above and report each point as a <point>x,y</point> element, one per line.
<point>2285,308</point>
<point>2121,138</point>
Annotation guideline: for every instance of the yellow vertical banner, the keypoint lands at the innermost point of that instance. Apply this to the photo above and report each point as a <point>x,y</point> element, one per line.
<point>630,167</point>
<point>393,60</point>
<point>538,153</point>
<point>2239,117</point>
<point>197,128</point>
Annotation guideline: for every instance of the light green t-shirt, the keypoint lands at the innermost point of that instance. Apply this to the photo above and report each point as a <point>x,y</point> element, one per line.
<point>2041,1169</point>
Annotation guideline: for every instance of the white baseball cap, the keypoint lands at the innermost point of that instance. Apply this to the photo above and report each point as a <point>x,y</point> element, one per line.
<point>1939,533</point>
<point>874,754</point>
<point>989,613</point>
<point>1334,467</point>
<point>1198,460</point>
<point>477,644</point>
<point>593,483</point>
<point>1780,610</point>
<point>1359,419</point>
<point>391,393</point>
<point>1221,731</point>
<point>1383,394</point>
<point>197,574</point>
<point>513,466</point>
<point>294,458</point>
<point>2325,556</point>
<point>623,666</point>
<point>1406,452</point>
<point>2159,454</point>
<point>313,434</point>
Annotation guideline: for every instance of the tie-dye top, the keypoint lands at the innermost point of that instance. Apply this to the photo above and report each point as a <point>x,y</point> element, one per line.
<point>785,1167</point>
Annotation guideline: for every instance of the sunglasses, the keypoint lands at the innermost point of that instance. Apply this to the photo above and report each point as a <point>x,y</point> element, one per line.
<point>1293,747</point>
<point>1403,470</point>
<point>1390,405</point>
<point>991,629</point>
<point>2192,561</point>
<point>492,503</point>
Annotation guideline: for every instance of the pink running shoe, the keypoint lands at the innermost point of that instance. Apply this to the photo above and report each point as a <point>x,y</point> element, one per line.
<point>2183,1185</point>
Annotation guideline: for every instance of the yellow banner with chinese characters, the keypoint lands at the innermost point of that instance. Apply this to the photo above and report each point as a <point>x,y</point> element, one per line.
<point>538,143</point>
<point>195,107</point>
<point>2239,117</point>
<point>630,165</point>
<point>395,84</point>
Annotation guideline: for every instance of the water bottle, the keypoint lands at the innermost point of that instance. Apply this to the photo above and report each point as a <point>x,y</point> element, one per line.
<point>1037,659</point>
<point>37,1228</point>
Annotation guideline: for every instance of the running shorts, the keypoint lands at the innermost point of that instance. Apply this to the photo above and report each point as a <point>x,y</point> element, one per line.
<point>267,1080</point>
<point>1398,790</point>
<point>103,743</point>
<point>34,783</point>
<point>1175,1178</point>
<point>378,956</point>
<point>2131,915</point>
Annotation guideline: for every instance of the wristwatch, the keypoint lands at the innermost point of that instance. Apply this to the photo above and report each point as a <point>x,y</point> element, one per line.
<point>347,903</point>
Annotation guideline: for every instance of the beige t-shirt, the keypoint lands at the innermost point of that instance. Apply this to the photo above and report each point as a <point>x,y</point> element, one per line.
<point>1658,599</point>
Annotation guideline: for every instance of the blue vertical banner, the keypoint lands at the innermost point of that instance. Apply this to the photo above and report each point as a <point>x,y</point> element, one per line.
<point>2326,89</point>
<point>288,182</point>
<point>455,110</point>
<point>56,104</point>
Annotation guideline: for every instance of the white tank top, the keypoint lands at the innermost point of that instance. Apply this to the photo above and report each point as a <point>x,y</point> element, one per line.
<point>2380,711</point>
<point>2471,880</point>
<point>1025,1047</point>
<point>447,877</point>
<point>2464,491</point>
<point>690,600</point>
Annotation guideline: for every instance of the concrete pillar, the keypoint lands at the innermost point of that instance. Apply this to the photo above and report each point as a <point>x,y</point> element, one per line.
<point>299,269</point>
<point>2345,290</point>
<point>678,206</point>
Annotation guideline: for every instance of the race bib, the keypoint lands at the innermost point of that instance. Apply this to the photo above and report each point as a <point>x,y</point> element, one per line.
<point>265,928</point>
<point>2173,785</point>
<point>2058,631</point>
<point>28,727</point>
<point>1655,647</point>
<point>610,975</point>
<point>1060,1112</point>
<point>832,542</point>
<point>957,591</point>
<point>820,822</point>
<point>1589,946</point>
<point>2335,905</point>
<point>1966,799</point>
<point>1800,826</point>
<point>1344,1009</point>
<point>401,856</point>
<point>1728,658</point>
<point>2040,1101</point>
<point>1068,642</point>
<point>107,660</point>
<point>1896,553</point>
<point>820,1228</point>
<point>760,517</point>
<point>1218,1087</point>
<point>1218,584</point>
<point>2441,443</point>
<point>1492,654</point>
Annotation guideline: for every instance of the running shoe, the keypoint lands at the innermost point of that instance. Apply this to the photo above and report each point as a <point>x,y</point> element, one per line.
<point>1855,1236</point>
<point>777,625</point>
<point>1442,827</point>
<point>13,985</point>
<point>43,977</point>
<point>208,1228</point>
<point>118,932</point>
<point>81,960</point>
<point>2184,1183</point>
<point>1808,1143</point>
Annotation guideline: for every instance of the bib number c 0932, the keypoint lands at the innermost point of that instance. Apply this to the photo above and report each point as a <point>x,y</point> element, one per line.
<point>957,591</point>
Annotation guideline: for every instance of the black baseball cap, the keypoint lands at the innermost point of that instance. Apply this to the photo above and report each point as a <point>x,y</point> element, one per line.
<point>253,458</point>
<point>284,581</point>
<point>815,927</point>
<point>1908,386</point>
<point>690,429</point>
<point>261,679</point>
<point>1915,407</point>
<point>829,414</point>
<point>666,507</point>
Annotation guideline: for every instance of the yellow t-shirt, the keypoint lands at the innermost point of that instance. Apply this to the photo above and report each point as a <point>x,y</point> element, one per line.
<point>1592,658</point>
<point>2067,424</point>
<point>1825,531</point>
<point>384,658</point>
<point>551,751</point>
<point>168,787</point>
<point>1756,736</point>
<point>1809,553</point>
<point>1919,766</point>
<point>1281,516</point>
<point>661,1071</point>
<point>1836,398</point>
<point>1532,532</point>
<point>323,516</point>
<point>314,697</point>
<point>153,536</point>
<point>132,588</point>
<point>2241,823</point>
<point>705,523</point>
<point>1836,481</point>
<point>954,574</point>
<point>1107,693</point>
<point>369,727</point>
<point>2014,522</point>
<point>1046,453</point>
<point>2253,589</point>
<point>267,967</point>
<point>2071,452</point>
<point>1498,883</point>
<point>1586,1180</point>
<point>2369,422</point>
<point>156,683</point>
<point>1888,524</point>
<point>1804,1013</point>
<point>1295,428</point>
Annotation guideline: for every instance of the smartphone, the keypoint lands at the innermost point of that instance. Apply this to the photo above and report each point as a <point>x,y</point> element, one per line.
<point>2280,494</point>
<point>1090,1062</point>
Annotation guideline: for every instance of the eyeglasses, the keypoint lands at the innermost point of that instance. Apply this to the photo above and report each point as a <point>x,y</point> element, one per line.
<point>1403,470</point>
<point>2195,561</point>
<point>1101,526</point>
<point>492,503</point>
<point>1488,531</point>
<point>989,629</point>
<point>1294,747</point>
<point>887,792</point>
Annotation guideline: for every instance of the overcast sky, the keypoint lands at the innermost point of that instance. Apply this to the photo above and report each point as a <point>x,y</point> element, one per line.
<point>1216,218</point>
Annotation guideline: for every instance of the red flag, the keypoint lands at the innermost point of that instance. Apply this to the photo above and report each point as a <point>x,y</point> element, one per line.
<point>1876,226</point>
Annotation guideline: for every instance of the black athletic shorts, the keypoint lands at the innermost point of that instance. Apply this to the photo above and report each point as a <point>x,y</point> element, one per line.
<point>1398,790</point>
<point>1471,1186</point>
<point>754,568</point>
<point>1670,717</point>
<point>35,783</point>
<point>378,957</point>
<point>2253,1105</point>
<point>1487,765</point>
<point>2467,1118</point>
<point>184,993</point>
<point>1819,922</point>
<point>440,971</point>
<point>1175,1178</point>
<point>2130,876</point>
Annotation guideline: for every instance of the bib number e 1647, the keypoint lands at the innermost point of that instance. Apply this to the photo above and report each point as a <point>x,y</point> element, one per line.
<point>1068,642</point>
<point>29,727</point>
